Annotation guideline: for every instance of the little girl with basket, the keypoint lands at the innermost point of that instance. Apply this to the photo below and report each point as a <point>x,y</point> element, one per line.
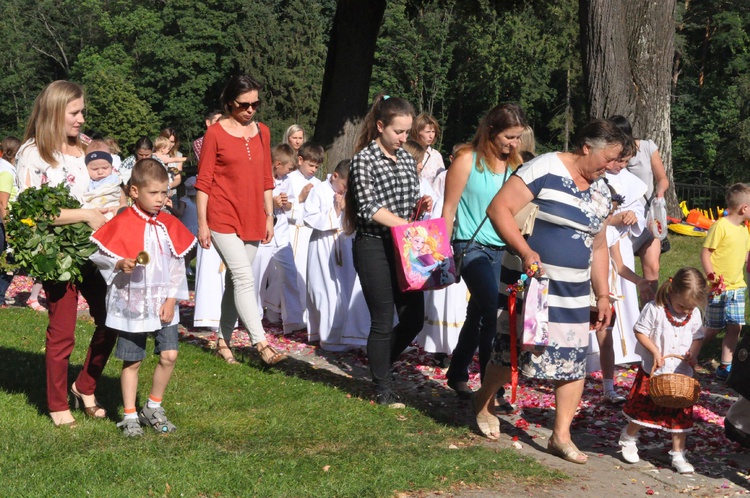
<point>670,334</point>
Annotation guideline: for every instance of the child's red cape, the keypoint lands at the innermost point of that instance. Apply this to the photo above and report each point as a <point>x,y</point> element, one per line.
<point>122,236</point>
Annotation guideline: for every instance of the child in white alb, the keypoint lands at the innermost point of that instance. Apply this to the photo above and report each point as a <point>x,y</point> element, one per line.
<point>669,325</point>
<point>309,158</point>
<point>330,267</point>
<point>273,266</point>
<point>145,278</point>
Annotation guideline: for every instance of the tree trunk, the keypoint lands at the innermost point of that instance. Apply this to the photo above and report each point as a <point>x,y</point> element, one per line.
<point>346,83</point>
<point>628,57</point>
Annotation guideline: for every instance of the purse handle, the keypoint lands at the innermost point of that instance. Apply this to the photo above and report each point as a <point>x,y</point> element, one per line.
<point>653,367</point>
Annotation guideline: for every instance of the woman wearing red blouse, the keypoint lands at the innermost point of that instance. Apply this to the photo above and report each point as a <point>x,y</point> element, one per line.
<point>235,207</point>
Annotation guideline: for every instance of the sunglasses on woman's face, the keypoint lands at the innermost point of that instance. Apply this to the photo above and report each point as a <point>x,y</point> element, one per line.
<point>247,105</point>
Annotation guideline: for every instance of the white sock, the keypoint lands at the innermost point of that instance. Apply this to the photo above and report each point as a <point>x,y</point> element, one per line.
<point>625,437</point>
<point>133,415</point>
<point>609,385</point>
<point>153,404</point>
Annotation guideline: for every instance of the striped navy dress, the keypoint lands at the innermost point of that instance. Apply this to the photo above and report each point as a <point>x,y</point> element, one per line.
<point>563,237</point>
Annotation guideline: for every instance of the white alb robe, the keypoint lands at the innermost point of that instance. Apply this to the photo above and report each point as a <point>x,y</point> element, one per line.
<point>330,274</point>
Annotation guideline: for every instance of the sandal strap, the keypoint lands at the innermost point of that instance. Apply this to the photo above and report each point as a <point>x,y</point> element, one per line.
<point>274,357</point>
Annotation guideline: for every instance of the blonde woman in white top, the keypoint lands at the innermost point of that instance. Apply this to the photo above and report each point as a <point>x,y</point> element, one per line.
<point>52,153</point>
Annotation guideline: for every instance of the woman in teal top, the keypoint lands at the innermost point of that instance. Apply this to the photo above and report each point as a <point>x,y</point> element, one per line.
<point>473,179</point>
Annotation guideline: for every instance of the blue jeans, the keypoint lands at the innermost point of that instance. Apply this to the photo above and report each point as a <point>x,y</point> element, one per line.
<point>481,272</point>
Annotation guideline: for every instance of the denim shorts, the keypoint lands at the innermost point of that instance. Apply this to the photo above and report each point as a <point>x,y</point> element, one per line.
<point>131,346</point>
<point>726,308</point>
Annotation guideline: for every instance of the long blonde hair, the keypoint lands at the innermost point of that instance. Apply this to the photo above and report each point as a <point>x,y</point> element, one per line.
<point>47,121</point>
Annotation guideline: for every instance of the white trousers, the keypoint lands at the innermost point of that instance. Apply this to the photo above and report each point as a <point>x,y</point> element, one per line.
<point>240,296</point>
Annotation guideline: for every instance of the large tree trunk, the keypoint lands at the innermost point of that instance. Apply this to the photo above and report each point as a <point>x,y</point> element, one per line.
<point>346,83</point>
<point>628,58</point>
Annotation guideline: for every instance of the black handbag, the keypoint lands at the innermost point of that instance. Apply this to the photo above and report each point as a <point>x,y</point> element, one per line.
<point>739,375</point>
<point>458,258</point>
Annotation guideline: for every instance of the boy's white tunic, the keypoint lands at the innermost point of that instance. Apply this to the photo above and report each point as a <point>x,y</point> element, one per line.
<point>299,233</point>
<point>330,275</point>
<point>134,299</point>
<point>276,273</point>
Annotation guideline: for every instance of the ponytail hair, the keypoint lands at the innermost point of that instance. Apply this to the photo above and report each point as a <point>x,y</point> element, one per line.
<point>383,109</point>
<point>689,283</point>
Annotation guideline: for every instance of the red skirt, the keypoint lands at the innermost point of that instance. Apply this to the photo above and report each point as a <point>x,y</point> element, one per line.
<point>641,410</point>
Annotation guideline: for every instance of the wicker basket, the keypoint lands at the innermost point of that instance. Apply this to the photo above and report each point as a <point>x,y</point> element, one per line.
<point>673,390</point>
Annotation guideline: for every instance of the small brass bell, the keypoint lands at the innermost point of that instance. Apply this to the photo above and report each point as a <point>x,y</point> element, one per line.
<point>143,258</point>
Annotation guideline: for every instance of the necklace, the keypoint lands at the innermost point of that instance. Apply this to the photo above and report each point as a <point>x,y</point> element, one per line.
<point>674,321</point>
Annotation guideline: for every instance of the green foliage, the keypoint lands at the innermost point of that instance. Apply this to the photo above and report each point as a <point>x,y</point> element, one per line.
<point>711,110</point>
<point>457,60</point>
<point>46,251</point>
<point>149,64</point>
<point>112,102</point>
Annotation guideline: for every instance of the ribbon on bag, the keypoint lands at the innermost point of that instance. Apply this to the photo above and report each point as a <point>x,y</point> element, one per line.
<point>535,333</point>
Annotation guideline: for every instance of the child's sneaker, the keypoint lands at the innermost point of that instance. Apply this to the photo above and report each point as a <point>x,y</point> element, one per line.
<point>130,427</point>
<point>156,418</point>
<point>679,463</point>
<point>629,447</point>
<point>614,397</point>
<point>723,372</point>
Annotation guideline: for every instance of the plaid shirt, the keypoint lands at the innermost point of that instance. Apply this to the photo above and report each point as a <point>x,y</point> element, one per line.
<point>379,182</point>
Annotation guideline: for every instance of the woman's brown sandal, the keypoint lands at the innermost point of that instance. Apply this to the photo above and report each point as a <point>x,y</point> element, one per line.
<point>566,451</point>
<point>90,411</point>
<point>225,353</point>
<point>270,356</point>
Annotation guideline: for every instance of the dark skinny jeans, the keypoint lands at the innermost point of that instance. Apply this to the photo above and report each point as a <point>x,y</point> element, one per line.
<point>375,264</point>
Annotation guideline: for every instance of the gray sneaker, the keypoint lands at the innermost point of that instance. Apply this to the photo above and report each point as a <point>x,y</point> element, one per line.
<point>156,418</point>
<point>130,427</point>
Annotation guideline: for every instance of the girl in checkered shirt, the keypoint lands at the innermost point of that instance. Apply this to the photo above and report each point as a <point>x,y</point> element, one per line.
<point>383,192</point>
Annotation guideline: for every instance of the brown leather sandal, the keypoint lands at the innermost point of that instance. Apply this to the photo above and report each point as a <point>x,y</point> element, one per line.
<point>225,353</point>
<point>90,411</point>
<point>270,356</point>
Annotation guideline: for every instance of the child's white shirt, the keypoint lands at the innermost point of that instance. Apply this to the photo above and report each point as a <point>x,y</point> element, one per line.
<point>134,299</point>
<point>426,189</point>
<point>320,208</point>
<point>667,338</point>
<point>297,183</point>
<point>281,228</point>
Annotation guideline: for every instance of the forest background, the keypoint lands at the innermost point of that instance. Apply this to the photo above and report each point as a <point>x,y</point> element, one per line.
<point>148,64</point>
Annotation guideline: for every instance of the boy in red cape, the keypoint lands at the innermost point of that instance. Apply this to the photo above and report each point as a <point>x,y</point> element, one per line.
<point>140,255</point>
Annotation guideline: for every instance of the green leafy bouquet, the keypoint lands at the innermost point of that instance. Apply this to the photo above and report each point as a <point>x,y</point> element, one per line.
<point>46,251</point>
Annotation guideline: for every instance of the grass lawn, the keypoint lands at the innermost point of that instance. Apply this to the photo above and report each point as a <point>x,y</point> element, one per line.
<point>242,431</point>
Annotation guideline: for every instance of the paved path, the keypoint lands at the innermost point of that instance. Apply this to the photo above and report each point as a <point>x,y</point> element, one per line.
<point>723,468</point>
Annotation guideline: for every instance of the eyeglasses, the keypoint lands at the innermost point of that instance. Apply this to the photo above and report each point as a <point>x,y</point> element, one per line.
<point>247,105</point>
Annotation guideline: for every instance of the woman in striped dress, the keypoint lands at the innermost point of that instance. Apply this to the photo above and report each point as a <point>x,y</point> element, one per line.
<point>569,246</point>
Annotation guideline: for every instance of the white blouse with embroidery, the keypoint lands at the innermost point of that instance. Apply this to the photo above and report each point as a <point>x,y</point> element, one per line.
<point>33,171</point>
